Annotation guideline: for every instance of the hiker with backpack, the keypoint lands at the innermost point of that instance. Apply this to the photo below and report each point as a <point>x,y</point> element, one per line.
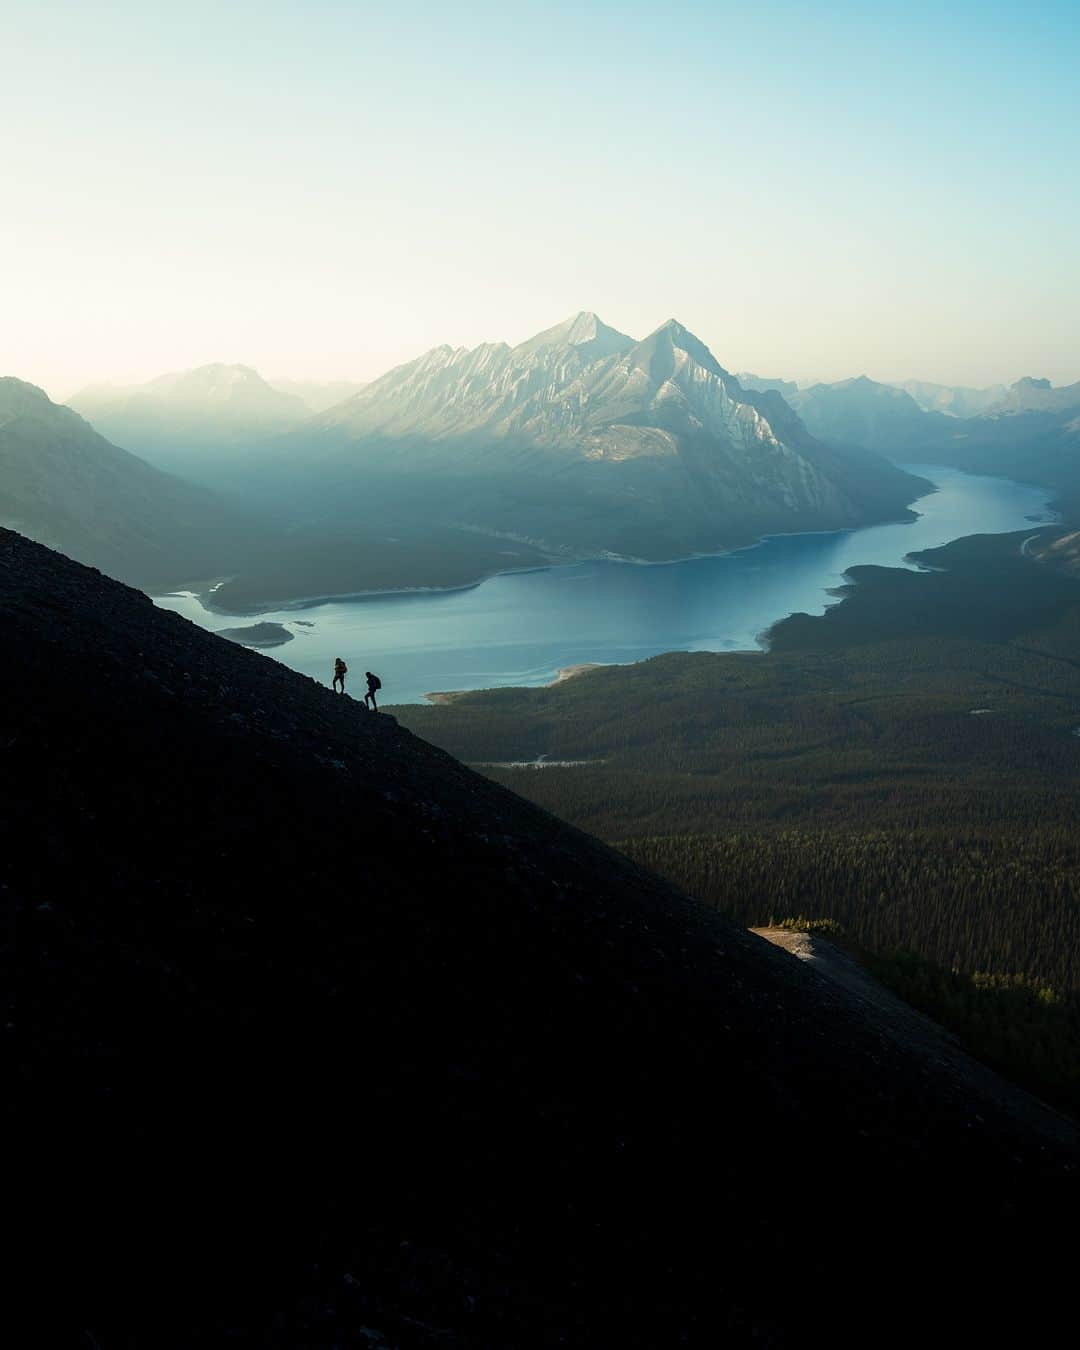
<point>373,684</point>
<point>340,671</point>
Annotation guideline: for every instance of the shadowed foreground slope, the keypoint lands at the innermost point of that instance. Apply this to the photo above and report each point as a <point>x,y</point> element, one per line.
<point>328,1033</point>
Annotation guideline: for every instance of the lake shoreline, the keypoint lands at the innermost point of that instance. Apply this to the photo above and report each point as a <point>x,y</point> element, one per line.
<point>204,596</point>
<point>530,626</point>
<point>566,673</point>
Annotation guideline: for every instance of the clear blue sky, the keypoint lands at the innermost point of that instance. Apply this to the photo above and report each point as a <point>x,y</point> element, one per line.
<point>324,189</point>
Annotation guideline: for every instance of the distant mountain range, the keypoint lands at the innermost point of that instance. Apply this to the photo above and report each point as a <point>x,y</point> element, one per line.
<point>1030,430</point>
<point>64,485</point>
<point>180,420</point>
<point>581,441</point>
<point>864,412</point>
<point>956,401</point>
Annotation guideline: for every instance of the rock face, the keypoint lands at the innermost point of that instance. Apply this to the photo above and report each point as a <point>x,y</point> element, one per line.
<point>67,486</point>
<point>333,1041</point>
<point>582,439</point>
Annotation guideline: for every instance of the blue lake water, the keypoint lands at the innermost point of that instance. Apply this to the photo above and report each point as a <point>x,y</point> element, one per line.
<point>524,627</point>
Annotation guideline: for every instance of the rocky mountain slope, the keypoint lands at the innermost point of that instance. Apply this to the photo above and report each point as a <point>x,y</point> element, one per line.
<point>67,486</point>
<point>329,1040</point>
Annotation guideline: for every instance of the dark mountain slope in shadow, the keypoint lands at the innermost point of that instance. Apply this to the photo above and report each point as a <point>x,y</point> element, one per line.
<point>335,1042</point>
<point>70,488</point>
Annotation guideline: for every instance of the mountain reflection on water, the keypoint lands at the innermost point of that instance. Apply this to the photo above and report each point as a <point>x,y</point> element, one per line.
<point>522,628</point>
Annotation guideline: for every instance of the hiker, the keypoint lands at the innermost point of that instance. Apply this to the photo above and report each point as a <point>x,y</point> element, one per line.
<point>373,684</point>
<point>340,671</point>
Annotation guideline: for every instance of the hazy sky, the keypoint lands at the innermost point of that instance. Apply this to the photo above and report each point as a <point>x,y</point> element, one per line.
<point>325,189</point>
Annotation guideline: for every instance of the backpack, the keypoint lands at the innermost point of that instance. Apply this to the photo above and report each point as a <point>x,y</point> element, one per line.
<point>376,683</point>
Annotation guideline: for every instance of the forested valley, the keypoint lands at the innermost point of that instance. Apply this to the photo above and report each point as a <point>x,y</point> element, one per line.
<point>907,766</point>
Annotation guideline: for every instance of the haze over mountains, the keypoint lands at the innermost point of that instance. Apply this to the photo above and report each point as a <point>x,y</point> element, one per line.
<point>581,441</point>
<point>957,401</point>
<point>66,486</point>
<point>179,418</point>
<point>1030,430</point>
<point>889,417</point>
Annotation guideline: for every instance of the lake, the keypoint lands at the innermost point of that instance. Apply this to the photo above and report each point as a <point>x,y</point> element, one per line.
<point>522,628</point>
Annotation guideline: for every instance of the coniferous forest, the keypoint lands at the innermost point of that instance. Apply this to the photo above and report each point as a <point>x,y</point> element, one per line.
<point>907,765</point>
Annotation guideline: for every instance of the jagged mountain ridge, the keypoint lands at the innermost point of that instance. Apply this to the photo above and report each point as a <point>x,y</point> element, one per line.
<point>580,384</point>
<point>347,1043</point>
<point>585,440</point>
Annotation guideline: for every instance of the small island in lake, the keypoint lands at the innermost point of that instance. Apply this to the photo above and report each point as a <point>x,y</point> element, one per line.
<point>258,635</point>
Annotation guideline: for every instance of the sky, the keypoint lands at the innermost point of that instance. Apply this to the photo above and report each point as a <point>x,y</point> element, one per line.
<point>325,189</point>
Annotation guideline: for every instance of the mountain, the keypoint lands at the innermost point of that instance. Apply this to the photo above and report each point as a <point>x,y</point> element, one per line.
<point>65,485</point>
<point>190,417</point>
<point>1031,395</point>
<point>68,487</point>
<point>955,401</point>
<point>1032,433</point>
<point>332,1041</point>
<point>865,413</point>
<point>581,441</point>
<point>788,388</point>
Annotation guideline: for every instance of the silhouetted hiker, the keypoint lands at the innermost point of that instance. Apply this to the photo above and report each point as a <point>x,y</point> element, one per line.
<point>340,671</point>
<point>373,683</point>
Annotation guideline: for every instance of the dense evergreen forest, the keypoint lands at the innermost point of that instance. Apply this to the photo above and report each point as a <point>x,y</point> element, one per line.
<point>907,765</point>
